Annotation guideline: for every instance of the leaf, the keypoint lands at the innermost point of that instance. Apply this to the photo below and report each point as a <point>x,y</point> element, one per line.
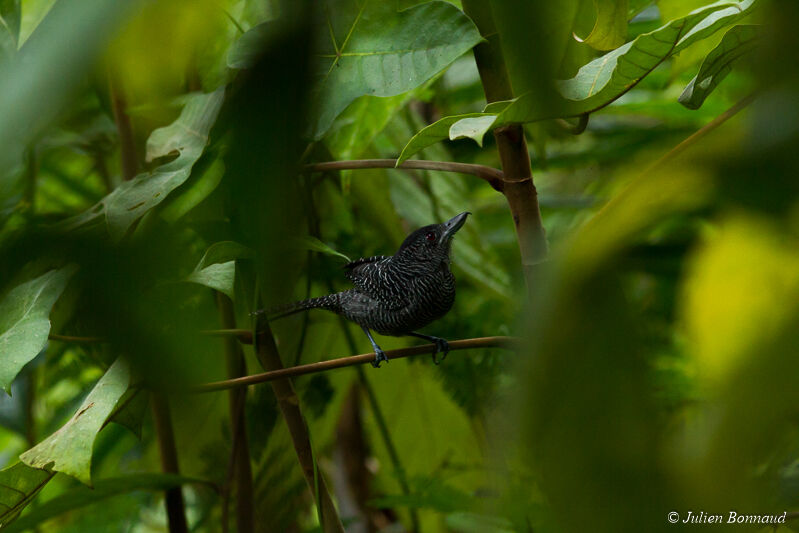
<point>604,79</point>
<point>19,483</point>
<point>610,29</point>
<point>187,137</point>
<point>356,127</point>
<point>69,450</point>
<point>78,497</point>
<point>434,133</point>
<point>130,410</point>
<point>9,28</point>
<point>371,48</point>
<point>737,42</point>
<point>25,323</point>
<point>472,128</point>
<point>196,190</point>
<point>478,523</point>
<point>246,49</point>
<point>217,268</point>
<point>315,245</point>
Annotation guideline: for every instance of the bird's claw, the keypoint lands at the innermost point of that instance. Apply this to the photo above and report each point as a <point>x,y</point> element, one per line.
<point>380,356</point>
<point>442,346</point>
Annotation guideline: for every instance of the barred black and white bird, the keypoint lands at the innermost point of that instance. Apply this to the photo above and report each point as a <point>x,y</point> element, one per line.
<point>396,294</point>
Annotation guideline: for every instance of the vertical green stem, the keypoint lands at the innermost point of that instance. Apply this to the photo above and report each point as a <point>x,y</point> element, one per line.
<point>236,367</point>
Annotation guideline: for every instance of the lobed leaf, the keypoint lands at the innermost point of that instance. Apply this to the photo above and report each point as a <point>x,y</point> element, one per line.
<point>25,323</point>
<point>187,137</point>
<point>739,41</point>
<point>69,450</point>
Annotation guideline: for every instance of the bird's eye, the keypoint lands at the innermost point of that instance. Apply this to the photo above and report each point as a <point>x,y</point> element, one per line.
<point>431,236</point>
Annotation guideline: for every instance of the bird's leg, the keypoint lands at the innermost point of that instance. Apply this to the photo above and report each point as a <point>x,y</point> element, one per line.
<point>441,345</point>
<point>380,355</point>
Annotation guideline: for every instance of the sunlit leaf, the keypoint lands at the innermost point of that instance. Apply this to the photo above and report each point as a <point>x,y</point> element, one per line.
<point>78,497</point>
<point>186,137</point>
<point>434,133</point>
<point>25,323</point>
<point>610,29</point>
<point>69,450</point>
<point>19,484</point>
<point>739,290</point>
<point>371,48</point>
<point>739,41</point>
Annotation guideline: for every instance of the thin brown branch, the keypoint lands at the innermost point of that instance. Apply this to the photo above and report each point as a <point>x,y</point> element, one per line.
<point>492,175</point>
<point>240,469</point>
<point>127,144</point>
<point>341,362</point>
<point>289,403</point>
<point>175,507</point>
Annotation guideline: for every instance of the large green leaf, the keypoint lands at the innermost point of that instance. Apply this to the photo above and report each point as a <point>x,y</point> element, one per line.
<point>106,488</point>
<point>610,29</point>
<point>9,28</point>
<point>19,483</point>
<point>434,133</point>
<point>604,79</point>
<point>368,47</point>
<point>69,450</point>
<point>187,137</point>
<point>25,323</point>
<point>737,42</point>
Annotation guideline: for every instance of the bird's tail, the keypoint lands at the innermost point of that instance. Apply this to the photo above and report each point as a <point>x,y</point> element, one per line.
<point>331,302</point>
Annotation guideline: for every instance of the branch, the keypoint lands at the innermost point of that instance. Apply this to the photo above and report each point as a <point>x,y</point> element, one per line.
<point>79,340</point>
<point>127,144</point>
<point>244,336</point>
<point>492,175</point>
<point>322,366</point>
<point>162,419</point>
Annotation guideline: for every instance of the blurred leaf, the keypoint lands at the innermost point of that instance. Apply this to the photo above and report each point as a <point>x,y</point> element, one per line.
<point>373,49</point>
<point>18,485</point>
<point>610,29</point>
<point>428,493</point>
<point>9,28</point>
<point>187,136</point>
<point>606,78</point>
<point>245,51</point>
<point>78,497</point>
<point>191,193</point>
<point>217,268</point>
<point>740,40</point>
<point>24,321</point>
<point>130,410</point>
<point>736,294</point>
<point>312,243</point>
<point>30,100</point>
<point>476,523</point>
<point>69,450</point>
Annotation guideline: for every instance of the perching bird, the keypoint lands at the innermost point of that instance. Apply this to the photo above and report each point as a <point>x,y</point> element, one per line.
<point>397,294</point>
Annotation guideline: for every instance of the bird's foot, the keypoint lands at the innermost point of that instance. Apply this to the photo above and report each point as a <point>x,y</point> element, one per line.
<point>380,356</point>
<point>442,346</point>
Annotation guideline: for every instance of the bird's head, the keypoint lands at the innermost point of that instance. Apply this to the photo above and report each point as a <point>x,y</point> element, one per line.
<point>430,245</point>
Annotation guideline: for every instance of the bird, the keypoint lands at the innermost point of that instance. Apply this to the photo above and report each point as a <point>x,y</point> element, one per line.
<point>395,294</point>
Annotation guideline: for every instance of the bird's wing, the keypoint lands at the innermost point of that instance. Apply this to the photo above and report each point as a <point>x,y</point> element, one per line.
<point>370,276</point>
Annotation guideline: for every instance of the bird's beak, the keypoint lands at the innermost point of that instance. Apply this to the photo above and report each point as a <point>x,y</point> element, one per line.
<point>453,225</point>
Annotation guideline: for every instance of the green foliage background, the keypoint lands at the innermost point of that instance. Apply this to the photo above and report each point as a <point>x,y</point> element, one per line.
<point>658,359</point>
